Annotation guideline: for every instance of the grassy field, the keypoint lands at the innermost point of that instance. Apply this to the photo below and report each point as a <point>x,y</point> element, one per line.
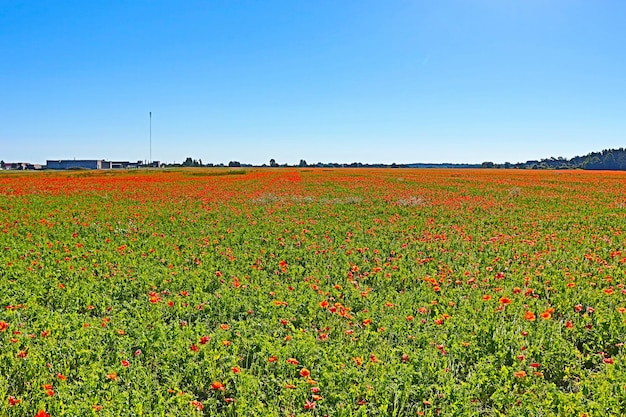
<point>316,292</point>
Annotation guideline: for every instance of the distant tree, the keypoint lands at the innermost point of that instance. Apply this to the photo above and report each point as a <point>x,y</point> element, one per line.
<point>200,162</point>
<point>609,161</point>
<point>487,165</point>
<point>188,162</point>
<point>592,162</point>
<point>273,163</point>
<point>303,163</point>
<point>234,164</point>
<point>620,159</point>
<point>2,164</point>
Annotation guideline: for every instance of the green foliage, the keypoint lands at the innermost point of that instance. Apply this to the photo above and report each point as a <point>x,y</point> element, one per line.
<point>344,293</point>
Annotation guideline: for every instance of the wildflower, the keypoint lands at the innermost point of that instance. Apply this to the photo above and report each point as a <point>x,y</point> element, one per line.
<point>504,300</point>
<point>235,369</point>
<point>530,316</point>
<point>42,413</point>
<point>304,372</point>
<point>61,377</point>
<point>272,359</point>
<point>13,401</point>
<point>125,363</point>
<point>309,405</point>
<point>292,361</point>
<point>608,361</point>
<point>520,374</point>
<point>197,405</point>
<point>204,340</point>
<point>112,376</point>
<point>216,385</point>
<point>48,389</point>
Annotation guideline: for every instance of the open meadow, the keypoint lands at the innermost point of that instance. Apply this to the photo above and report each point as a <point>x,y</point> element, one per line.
<point>278,292</point>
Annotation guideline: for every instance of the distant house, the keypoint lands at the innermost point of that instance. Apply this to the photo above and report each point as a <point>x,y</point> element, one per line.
<point>21,165</point>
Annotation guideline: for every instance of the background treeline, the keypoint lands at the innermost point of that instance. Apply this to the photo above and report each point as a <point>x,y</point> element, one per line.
<point>609,159</point>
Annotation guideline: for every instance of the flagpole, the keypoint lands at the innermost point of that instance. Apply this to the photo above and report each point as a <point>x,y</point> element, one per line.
<point>150,161</point>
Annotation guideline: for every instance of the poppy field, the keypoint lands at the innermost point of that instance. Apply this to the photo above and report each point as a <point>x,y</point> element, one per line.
<point>312,292</point>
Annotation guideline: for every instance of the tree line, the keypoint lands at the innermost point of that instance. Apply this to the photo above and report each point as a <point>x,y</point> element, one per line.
<point>608,159</point>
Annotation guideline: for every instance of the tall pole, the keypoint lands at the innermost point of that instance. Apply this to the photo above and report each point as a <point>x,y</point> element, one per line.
<point>150,138</point>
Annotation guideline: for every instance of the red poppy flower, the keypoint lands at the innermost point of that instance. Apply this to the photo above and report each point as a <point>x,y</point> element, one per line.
<point>216,385</point>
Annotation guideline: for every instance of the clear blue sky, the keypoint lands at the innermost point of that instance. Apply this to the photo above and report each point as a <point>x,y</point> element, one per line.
<point>331,81</point>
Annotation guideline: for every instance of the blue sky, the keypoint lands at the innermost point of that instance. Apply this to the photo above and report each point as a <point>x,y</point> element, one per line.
<point>332,81</point>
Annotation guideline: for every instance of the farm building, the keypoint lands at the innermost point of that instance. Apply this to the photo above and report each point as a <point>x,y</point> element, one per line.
<point>78,164</point>
<point>21,166</point>
<point>94,164</point>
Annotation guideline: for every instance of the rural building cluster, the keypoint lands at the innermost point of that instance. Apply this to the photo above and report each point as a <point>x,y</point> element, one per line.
<point>80,164</point>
